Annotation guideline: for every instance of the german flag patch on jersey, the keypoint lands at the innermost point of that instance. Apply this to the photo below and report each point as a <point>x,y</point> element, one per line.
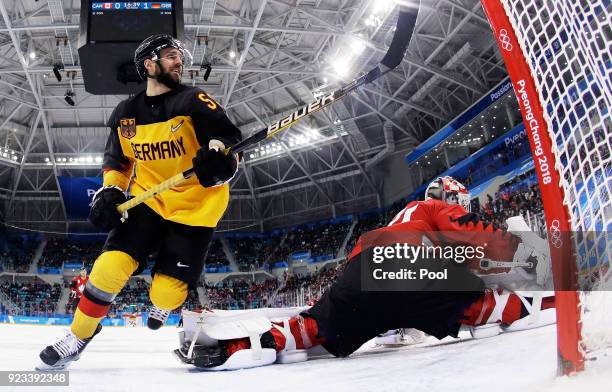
<point>128,127</point>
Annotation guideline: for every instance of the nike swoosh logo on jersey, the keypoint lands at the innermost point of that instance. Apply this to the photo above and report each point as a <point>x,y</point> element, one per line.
<point>174,128</point>
<point>179,264</point>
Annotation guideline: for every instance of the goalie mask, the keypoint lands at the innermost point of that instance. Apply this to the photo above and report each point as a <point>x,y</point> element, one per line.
<point>449,191</point>
<point>151,48</point>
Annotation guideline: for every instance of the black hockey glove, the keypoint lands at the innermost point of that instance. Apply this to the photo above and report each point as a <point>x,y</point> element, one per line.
<point>103,213</point>
<point>212,166</point>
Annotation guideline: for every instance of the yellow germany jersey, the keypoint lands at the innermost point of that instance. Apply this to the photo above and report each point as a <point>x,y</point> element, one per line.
<point>155,138</point>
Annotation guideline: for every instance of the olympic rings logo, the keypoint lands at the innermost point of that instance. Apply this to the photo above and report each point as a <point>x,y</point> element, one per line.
<point>555,234</point>
<point>504,40</point>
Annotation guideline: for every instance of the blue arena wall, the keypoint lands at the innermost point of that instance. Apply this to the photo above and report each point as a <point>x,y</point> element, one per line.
<point>173,319</point>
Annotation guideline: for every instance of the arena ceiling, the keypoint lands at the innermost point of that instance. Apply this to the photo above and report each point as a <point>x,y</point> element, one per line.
<point>286,52</point>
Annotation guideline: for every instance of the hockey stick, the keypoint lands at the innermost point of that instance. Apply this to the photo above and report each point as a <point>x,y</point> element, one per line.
<point>487,264</point>
<point>394,56</point>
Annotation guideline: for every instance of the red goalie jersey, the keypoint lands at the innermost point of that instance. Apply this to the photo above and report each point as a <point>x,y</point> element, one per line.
<point>448,224</point>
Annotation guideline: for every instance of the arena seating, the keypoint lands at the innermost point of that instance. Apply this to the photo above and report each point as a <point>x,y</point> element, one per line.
<point>251,252</point>
<point>303,289</point>
<point>62,250</point>
<point>240,294</point>
<point>320,239</point>
<point>17,252</point>
<point>216,260</point>
<point>133,298</point>
<point>518,196</point>
<point>34,298</point>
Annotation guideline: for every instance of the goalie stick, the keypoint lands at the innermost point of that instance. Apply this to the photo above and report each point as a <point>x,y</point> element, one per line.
<point>394,56</point>
<point>487,264</point>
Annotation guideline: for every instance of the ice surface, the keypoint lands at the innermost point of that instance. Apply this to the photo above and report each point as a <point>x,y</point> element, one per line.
<point>136,359</point>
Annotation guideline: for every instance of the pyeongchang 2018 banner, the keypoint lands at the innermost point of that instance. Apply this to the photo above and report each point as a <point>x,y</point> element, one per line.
<point>77,193</point>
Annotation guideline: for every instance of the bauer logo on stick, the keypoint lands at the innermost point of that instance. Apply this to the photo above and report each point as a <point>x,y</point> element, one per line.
<point>128,127</point>
<point>301,112</point>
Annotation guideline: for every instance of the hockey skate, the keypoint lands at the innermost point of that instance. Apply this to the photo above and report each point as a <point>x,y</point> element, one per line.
<point>61,354</point>
<point>157,317</point>
<point>400,337</point>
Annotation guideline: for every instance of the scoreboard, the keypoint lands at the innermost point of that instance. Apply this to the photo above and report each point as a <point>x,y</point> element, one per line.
<point>135,21</point>
<point>111,31</point>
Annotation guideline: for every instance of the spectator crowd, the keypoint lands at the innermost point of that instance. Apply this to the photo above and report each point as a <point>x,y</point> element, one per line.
<point>17,252</point>
<point>240,294</point>
<point>518,196</point>
<point>34,297</point>
<point>62,250</point>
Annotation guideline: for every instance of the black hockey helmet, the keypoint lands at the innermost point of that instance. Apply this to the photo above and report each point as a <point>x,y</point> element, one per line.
<point>151,48</point>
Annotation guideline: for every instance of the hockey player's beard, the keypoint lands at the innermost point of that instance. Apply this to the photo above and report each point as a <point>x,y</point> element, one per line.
<point>169,79</point>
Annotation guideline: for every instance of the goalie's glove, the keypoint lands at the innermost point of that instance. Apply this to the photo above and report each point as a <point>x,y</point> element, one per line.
<point>523,254</point>
<point>212,166</point>
<point>103,213</point>
<point>533,248</point>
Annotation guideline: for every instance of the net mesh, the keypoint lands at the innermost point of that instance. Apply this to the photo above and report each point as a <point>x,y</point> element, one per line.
<point>131,320</point>
<point>567,46</point>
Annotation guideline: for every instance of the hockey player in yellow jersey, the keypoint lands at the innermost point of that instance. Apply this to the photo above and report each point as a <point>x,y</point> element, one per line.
<point>164,130</point>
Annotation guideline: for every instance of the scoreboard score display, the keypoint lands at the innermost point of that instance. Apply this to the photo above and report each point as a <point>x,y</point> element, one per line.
<point>109,34</point>
<point>116,22</point>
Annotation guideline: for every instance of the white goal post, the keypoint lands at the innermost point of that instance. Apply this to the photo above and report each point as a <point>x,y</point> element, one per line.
<point>558,56</point>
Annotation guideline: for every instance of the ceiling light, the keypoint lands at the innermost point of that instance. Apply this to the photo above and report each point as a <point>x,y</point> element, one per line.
<point>382,6</point>
<point>341,66</point>
<point>371,21</point>
<point>356,45</point>
<point>232,54</point>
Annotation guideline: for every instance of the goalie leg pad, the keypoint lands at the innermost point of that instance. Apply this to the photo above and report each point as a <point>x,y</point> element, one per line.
<point>507,311</point>
<point>242,359</point>
<point>205,340</point>
<point>290,354</point>
<point>229,355</point>
<point>537,316</point>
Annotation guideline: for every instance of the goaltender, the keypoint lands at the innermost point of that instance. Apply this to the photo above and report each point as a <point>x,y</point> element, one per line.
<point>155,134</point>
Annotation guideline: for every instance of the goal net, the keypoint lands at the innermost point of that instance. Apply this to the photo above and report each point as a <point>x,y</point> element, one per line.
<point>558,56</point>
<point>131,320</point>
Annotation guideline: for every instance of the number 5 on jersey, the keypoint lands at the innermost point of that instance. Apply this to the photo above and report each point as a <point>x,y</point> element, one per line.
<point>208,101</point>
